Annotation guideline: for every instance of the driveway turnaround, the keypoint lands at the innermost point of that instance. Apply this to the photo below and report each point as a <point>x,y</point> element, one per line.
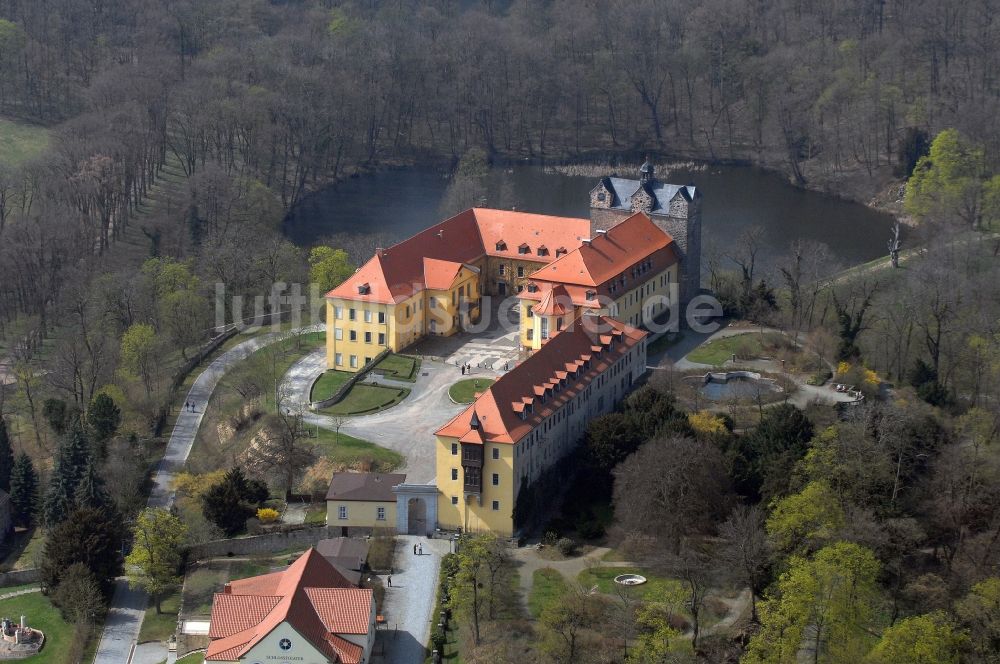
<point>407,428</point>
<point>124,619</point>
<point>409,602</point>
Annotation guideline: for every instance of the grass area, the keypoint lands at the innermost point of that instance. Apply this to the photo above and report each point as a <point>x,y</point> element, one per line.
<point>717,351</point>
<point>364,398</point>
<point>356,453</point>
<point>399,367</point>
<point>464,391</point>
<point>42,615</point>
<point>20,142</point>
<point>161,626</point>
<point>6,590</point>
<point>316,513</point>
<point>193,658</point>
<point>328,384</point>
<point>206,579</point>
<point>547,586</point>
<point>663,343</point>
<point>22,550</point>
<point>603,578</point>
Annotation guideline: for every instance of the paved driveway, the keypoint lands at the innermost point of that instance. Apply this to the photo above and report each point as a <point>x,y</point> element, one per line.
<point>407,428</point>
<point>124,619</point>
<point>410,601</point>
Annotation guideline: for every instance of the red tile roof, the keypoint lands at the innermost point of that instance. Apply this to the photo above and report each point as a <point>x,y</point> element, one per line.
<point>400,271</point>
<point>498,408</point>
<point>610,254</point>
<point>311,595</point>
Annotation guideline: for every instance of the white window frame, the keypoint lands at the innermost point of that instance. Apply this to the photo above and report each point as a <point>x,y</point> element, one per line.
<point>338,333</point>
<point>342,511</point>
<point>380,513</point>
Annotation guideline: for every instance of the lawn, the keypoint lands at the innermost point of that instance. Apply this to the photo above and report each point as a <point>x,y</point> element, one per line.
<point>464,391</point>
<point>193,658</point>
<point>316,514</point>
<point>399,367</point>
<point>717,351</point>
<point>161,626</point>
<point>547,586</point>
<point>23,550</point>
<point>364,398</point>
<point>328,384</point>
<point>21,142</point>
<point>205,580</point>
<point>356,453</point>
<point>42,615</point>
<point>603,578</point>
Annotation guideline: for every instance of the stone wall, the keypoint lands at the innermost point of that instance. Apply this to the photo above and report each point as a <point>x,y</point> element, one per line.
<point>20,577</point>
<point>602,219</point>
<point>340,393</point>
<point>304,536</point>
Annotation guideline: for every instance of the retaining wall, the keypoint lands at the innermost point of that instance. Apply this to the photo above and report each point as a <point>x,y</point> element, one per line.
<point>303,536</point>
<point>20,577</point>
<point>339,394</point>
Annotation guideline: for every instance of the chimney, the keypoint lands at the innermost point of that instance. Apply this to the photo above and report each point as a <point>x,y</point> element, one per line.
<point>601,231</point>
<point>379,251</point>
<point>586,241</point>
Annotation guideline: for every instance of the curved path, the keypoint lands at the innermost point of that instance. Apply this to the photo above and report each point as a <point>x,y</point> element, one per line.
<point>128,606</point>
<point>407,428</point>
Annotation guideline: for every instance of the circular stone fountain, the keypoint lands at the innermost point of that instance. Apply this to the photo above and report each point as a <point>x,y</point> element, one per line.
<point>630,579</point>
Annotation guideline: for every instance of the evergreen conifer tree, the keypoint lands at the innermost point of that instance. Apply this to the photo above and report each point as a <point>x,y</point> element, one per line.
<point>23,491</point>
<point>6,457</point>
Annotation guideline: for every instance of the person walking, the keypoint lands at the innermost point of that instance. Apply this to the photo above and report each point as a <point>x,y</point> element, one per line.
<point>420,549</point>
<point>390,580</point>
<point>414,549</point>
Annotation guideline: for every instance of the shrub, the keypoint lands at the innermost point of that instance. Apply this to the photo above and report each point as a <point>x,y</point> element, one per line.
<point>267,515</point>
<point>589,528</point>
<point>550,538</point>
<point>566,546</point>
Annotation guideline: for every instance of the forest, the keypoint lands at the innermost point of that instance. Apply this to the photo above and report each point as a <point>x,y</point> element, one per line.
<point>151,150</point>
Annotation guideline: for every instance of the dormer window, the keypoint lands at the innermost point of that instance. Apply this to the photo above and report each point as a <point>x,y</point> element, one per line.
<point>543,251</point>
<point>591,295</point>
<point>364,289</point>
<point>560,251</point>
<point>532,288</point>
<point>524,249</point>
<point>501,246</point>
<point>474,422</point>
<point>601,196</point>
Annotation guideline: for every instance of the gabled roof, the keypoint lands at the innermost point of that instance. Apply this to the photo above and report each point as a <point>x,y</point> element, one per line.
<point>364,486</point>
<point>553,302</point>
<point>440,275</point>
<point>398,272</point>
<point>311,596</point>
<point>610,254</point>
<point>498,410</point>
<point>622,190</point>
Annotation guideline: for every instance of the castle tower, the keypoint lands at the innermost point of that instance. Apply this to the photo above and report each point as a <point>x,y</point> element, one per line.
<point>674,208</point>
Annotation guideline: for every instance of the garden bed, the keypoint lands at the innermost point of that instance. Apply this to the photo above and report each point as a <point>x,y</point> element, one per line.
<point>464,391</point>
<point>365,398</point>
<point>398,367</point>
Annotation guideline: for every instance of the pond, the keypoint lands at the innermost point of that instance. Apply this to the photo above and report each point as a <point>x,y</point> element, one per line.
<point>736,385</point>
<point>402,202</point>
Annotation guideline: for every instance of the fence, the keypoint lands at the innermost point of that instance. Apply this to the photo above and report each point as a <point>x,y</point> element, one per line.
<point>339,394</point>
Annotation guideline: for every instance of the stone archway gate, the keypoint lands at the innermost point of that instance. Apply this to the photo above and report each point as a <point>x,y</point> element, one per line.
<point>407,495</point>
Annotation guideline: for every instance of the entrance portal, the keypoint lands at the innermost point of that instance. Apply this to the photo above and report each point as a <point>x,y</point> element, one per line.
<point>416,510</point>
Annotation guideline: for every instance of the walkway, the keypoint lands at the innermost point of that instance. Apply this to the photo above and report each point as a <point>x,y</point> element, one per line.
<point>409,602</point>
<point>528,561</point>
<point>22,591</point>
<point>407,428</point>
<point>128,606</point>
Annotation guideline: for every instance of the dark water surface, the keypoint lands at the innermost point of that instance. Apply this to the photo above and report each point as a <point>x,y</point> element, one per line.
<point>403,202</point>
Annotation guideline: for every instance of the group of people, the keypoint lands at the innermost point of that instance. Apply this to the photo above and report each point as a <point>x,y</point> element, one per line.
<point>189,406</point>
<point>418,550</point>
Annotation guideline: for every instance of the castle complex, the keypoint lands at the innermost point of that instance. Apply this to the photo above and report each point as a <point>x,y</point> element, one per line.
<point>584,290</point>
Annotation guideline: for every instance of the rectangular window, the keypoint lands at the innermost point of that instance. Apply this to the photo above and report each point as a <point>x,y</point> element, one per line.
<point>352,335</point>
<point>381,338</point>
<point>338,312</point>
<point>380,514</point>
<point>352,314</point>
<point>338,333</point>
<point>454,500</point>
<point>496,452</point>
<point>342,512</point>
<point>520,271</point>
<point>368,360</point>
<point>407,311</point>
<point>381,316</point>
<point>496,505</point>
<point>454,474</point>
<point>454,449</point>
<point>368,316</point>
<point>502,270</point>
<point>338,359</point>
<point>454,298</point>
<point>496,479</point>
<point>368,337</point>
<point>354,361</point>
<point>434,303</point>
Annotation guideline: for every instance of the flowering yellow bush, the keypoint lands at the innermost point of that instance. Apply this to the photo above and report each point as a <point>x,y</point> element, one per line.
<point>706,424</point>
<point>843,368</point>
<point>871,377</point>
<point>267,515</point>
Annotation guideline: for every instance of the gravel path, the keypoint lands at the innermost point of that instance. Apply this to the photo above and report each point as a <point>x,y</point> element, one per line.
<point>23,591</point>
<point>128,606</point>
<point>410,601</point>
<point>408,427</point>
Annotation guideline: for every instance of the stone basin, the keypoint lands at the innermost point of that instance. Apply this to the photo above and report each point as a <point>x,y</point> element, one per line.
<point>630,579</point>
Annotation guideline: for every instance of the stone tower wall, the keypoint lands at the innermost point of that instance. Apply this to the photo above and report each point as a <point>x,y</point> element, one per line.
<point>683,223</point>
